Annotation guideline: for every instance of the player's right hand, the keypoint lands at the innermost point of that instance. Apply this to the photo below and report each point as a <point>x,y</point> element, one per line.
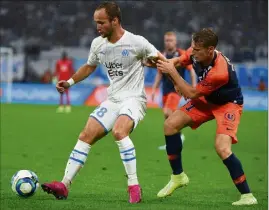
<point>62,85</point>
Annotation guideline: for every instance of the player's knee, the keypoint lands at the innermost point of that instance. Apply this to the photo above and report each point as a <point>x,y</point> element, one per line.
<point>119,134</point>
<point>223,146</point>
<point>87,136</point>
<point>83,136</point>
<point>223,151</point>
<point>169,128</point>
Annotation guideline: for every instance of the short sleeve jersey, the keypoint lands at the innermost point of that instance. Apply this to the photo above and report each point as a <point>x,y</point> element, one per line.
<point>123,62</point>
<point>217,82</point>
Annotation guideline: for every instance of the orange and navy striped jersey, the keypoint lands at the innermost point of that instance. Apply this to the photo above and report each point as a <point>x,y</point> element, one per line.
<point>217,82</point>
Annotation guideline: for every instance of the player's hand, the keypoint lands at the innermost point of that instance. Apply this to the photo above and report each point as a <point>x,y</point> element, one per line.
<point>149,63</point>
<point>166,67</point>
<point>62,85</point>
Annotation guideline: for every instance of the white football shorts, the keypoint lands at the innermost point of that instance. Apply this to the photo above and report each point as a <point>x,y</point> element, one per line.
<point>108,112</point>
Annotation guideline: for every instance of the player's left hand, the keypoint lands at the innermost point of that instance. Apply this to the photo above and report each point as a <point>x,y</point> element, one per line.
<point>166,67</point>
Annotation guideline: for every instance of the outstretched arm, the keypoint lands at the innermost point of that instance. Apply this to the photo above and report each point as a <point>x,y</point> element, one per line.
<point>82,73</point>
<point>152,60</point>
<point>180,84</point>
<point>210,83</point>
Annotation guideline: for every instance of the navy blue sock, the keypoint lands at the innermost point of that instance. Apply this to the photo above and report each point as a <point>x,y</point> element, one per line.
<point>173,150</point>
<point>236,171</point>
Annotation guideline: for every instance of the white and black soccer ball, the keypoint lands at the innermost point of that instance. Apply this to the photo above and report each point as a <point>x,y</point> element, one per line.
<point>24,183</point>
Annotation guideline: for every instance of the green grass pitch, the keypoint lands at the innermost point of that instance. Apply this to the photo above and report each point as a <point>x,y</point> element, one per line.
<point>36,138</point>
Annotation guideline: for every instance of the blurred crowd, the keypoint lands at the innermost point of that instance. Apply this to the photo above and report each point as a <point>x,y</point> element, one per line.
<point>241,25</point>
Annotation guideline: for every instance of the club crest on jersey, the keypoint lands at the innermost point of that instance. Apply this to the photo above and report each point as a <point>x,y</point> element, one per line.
<point>230,116</point>
<point>125,53</point>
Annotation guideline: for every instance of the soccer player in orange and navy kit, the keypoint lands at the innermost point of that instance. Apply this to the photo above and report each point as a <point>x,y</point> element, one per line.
<point>171,98</point>
<point>64,70</point>
<point>216,96</point>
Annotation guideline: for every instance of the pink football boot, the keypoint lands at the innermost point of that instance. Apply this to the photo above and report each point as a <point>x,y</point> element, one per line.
<point>58,189</point>
<point>135,194</point>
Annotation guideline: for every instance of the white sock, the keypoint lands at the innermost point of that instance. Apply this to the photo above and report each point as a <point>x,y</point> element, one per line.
<point>76,161</point>
<point>128,157</point>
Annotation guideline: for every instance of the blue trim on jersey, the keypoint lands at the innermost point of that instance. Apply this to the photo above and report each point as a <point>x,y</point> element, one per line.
<point>77,160</point>
<point>128,150</point>
<point>79,152</point>
<point>106,131</point>
<point>126,160</point>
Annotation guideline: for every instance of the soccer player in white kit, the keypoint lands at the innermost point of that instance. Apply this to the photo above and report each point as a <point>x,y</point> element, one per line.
<point>121,53</point>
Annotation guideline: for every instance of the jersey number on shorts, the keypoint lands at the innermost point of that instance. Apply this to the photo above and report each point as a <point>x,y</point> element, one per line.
<point>101,111</point>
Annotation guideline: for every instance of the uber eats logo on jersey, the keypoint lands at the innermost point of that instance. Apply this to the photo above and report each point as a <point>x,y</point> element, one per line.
<point>114,69</point>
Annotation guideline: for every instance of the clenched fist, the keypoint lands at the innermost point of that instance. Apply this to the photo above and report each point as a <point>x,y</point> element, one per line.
<point>62,85</point>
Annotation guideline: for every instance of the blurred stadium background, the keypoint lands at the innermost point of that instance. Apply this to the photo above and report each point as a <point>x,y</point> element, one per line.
<point>33,36</point>
<point>38,32</point>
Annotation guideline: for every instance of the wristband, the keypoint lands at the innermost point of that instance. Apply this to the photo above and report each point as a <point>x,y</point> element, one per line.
<point>71,82</point>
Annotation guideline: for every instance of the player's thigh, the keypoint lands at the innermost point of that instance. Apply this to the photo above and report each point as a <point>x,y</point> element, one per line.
<point>176,122</point>
<point>228,119</point>
<point>199,112</point>
<point>106,115</point>
<point>122,127</point>
<point>92,132</point>
<point>134,110</point>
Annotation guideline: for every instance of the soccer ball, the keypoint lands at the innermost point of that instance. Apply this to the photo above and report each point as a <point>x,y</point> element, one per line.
<point>24,183</point>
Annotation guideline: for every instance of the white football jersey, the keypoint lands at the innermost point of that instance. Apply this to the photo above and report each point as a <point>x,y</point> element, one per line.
<point>123,62</point>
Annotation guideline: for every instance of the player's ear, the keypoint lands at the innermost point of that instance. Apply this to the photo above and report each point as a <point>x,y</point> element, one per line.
<point>114,21</point>
<point>211,49</point>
